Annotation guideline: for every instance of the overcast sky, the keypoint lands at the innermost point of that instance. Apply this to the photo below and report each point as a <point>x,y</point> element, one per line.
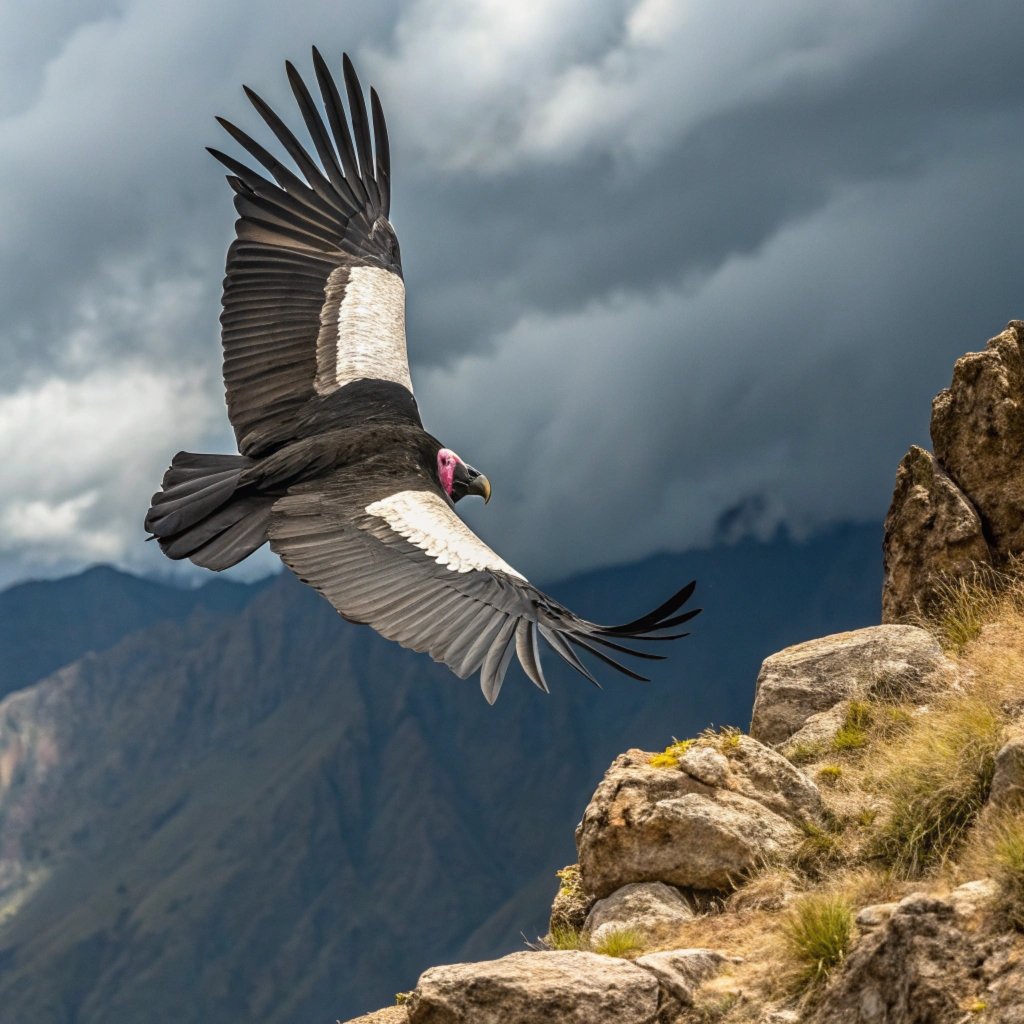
<point>671,265</point>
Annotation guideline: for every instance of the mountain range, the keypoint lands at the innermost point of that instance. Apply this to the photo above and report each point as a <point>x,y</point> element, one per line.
<point>227,804</point>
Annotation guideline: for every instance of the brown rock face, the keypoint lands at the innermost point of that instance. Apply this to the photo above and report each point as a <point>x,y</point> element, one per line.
<point>702,824</point>
<point>978,435</point>
<point>964,504</point>
<point>923,965</point>
<point>914,969</point>
<point>570,987</point>
<point>931,529</point>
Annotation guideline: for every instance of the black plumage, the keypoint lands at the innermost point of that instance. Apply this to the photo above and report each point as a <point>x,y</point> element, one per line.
<point>335,469</point>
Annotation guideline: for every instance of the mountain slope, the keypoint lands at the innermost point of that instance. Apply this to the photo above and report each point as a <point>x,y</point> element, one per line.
<point>47,624</point>
<point>273,815</point>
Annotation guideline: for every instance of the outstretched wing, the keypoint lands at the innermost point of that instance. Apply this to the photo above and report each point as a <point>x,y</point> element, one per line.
<point>404,563</point>
<point>313,298</point>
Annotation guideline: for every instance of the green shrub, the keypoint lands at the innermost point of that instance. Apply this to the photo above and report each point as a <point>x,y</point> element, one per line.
<point>853,733</point>
<point>564,938</point>
<point>803,753</point>
<point>621,942</point>
<point>817,932</point>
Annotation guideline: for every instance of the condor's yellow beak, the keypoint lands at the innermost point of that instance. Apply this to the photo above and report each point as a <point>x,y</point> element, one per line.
<point>482,486</point>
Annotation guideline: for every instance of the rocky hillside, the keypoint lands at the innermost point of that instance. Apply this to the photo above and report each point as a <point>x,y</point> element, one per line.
<point>858,857</point>
<point>228,804</point>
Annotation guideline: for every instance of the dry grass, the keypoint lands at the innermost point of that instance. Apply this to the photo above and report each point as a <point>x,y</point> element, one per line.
<point>936,779</point>
<point>1008,867</point>
<point>932,767</point>
<point>822,850</point>
<point>997,852</point>
<point>770,889</point>
<point>963,606</point>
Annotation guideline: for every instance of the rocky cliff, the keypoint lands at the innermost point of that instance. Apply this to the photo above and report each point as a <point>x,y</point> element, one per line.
<point>858,856</point>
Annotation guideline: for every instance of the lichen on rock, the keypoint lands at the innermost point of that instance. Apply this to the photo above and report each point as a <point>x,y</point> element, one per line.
<point>703,825</point>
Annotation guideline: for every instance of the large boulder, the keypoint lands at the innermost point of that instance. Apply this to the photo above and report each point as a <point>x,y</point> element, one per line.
<point>568,986</point>
<point>932,530</point>
<point>812,677</point>
<point>978,435</point>
<point>652,909</point>
<point>724,807</point>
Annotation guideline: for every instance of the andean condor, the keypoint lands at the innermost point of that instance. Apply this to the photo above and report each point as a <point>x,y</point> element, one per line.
<point>336,470</point>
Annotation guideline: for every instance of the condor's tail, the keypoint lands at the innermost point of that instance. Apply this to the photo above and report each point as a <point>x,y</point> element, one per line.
<point>202,514</point>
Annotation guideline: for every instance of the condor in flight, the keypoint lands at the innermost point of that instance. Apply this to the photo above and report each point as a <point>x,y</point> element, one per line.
<point>336,470</point>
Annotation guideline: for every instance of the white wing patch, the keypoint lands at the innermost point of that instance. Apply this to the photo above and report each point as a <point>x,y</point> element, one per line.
<point>424,519</point>
<point>362,329</point>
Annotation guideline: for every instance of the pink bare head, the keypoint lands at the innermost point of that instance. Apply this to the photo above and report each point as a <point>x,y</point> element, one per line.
<point>447,461</point>
<point>458,478</point>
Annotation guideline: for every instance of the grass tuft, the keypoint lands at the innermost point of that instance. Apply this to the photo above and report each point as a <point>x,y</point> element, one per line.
<point>564,938</point>
<point>671,755</point>
<point>804,753</point>
<point>817,930</point>
<point>962,607</point>
<point>729,739</point>
<point>853,733</point>
<point>830,774</point>
<point>937,778</point>
<point>621,942</point>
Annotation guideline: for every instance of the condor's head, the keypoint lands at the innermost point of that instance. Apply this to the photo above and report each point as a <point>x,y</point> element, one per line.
<point>459,479</point>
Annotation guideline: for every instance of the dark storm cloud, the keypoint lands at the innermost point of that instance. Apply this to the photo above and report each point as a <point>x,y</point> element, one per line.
<point>665,260</point>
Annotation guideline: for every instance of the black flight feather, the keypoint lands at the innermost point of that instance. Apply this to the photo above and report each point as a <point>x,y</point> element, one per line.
<point>339,126</point>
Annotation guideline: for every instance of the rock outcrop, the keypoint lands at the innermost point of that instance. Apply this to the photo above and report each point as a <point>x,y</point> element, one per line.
<point>921,964</point>
<point>978,434</point>
<point>812,677</point>
<point>932,532</point>
<point>569,986</point>
<point>653,910</point>
<point>964,505</point>
<point>727,805</point>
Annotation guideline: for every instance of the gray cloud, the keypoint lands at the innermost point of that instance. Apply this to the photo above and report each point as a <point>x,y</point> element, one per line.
<point>664,261</point>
